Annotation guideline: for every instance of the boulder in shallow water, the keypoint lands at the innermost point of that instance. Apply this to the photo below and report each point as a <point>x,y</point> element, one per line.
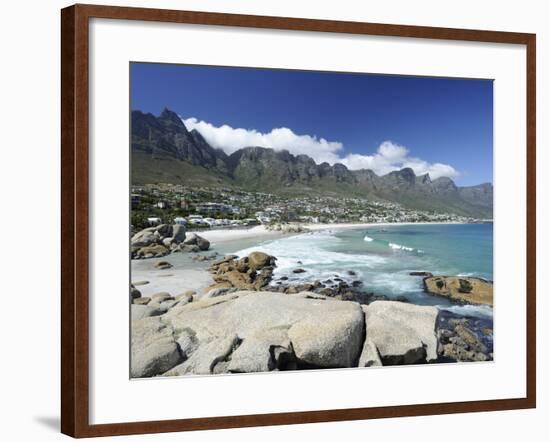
<point>463,290</point>
<point>464,339</point>
<point>259,260</point>
<point>203,243</point>
<point>196,240</point>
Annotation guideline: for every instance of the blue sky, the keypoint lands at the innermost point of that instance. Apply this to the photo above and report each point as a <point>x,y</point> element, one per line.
<point>436,125</point>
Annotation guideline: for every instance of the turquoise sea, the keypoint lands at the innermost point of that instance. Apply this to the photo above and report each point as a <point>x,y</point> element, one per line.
<point>382,258</point>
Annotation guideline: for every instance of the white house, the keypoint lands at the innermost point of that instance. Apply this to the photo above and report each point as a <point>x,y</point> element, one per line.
<point>154,220</point>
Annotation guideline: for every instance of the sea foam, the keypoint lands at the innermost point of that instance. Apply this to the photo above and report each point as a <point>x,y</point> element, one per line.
<point>400,247</point>
<point>313,253</point>
<point>480,311</point>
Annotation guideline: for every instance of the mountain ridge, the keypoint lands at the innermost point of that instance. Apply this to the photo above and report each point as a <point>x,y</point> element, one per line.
<point>163,150</point>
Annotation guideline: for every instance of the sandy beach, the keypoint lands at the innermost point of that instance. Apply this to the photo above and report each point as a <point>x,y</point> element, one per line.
<point>224,235</point>
<point>261,232</point>
<point>175,281</point>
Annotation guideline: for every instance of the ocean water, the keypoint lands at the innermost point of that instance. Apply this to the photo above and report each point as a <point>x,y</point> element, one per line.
<point>383,257</point>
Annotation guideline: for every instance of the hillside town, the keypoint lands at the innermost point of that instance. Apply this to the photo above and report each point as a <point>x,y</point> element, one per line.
<point>205,207</point>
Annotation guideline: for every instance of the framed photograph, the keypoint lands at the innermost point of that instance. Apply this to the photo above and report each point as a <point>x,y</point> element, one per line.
<point>272,221</point>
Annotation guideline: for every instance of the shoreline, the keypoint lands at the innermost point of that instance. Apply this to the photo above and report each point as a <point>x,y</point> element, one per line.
<point>181,278</point>
<point>234,234</point>
<point>261,232</point>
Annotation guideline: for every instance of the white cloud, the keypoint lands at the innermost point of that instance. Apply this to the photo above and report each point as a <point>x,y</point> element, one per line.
<point>391,156</point>
<point>388,157</point>
<point>231,139</point>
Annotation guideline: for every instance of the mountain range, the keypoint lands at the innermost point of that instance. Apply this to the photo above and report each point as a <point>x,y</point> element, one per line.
<point>164,151</point>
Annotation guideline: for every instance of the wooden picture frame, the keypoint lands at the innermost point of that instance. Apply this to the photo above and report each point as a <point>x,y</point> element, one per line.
<point>75,219</point>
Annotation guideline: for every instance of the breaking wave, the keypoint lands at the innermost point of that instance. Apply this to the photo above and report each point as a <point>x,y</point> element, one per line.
<point>479,311</point>
<point>313,253</point>
<point>392,245</point>
<point>400,247</point>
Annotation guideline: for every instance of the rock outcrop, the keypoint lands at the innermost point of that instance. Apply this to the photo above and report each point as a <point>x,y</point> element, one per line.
<point>159,241</point>
<point>255,272</point>
<point>260,331</point>
<point>462,290</point>
<point>196,240</point>
<point>464,339</point>
<point>252,272</point>
<point>252,331</point>
<point>287,228</point>
<point>140,311</point>
<point>335,288</point>
<point>399,333</point>
<point>154,242</point>
<point>154,349</point>
<point>151,251</point>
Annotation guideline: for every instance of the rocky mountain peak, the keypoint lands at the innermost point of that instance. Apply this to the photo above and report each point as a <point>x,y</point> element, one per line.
<point>424,179</point>
<point>444,184</point>
<point>407,173</point>
<point>403,176</point>
<point>170,118</point>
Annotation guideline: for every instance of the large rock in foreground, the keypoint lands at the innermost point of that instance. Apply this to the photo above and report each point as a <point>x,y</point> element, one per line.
<point>249,331</point>
<point>463,290</point>
<point>143,311</point>
<point>154,349</point>
<point>399,333</point>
